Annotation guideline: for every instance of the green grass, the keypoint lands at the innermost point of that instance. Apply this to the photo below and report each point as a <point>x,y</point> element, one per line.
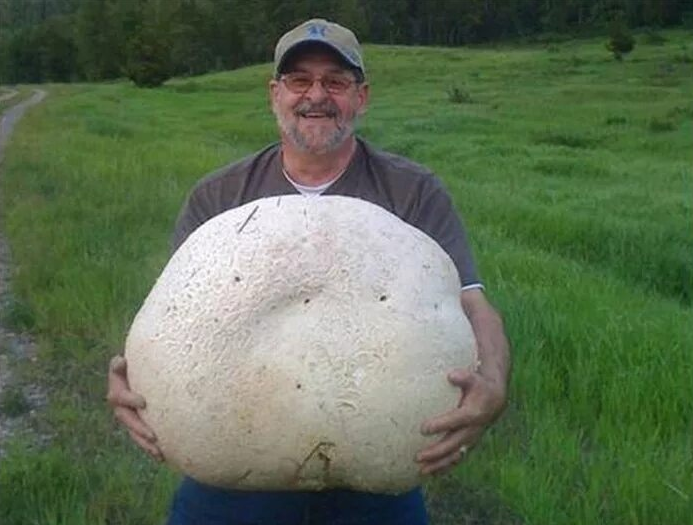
<point>573,174</point>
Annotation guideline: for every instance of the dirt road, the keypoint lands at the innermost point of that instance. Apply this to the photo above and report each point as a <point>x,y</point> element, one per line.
<point>18,402</point>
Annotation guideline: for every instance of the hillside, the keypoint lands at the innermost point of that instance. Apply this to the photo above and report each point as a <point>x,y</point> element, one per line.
<point>572,172</point>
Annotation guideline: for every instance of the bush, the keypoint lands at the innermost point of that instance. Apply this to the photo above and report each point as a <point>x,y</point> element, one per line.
<point>148,61</point>
<point>657,125</point>
<point>13,402</point>
<point>621,41</point>
<point>615,121</point>
<point>458,95</point>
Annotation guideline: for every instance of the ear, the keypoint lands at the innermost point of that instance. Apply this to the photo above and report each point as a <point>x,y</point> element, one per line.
<point>362,98</point>
<point>273,91</point>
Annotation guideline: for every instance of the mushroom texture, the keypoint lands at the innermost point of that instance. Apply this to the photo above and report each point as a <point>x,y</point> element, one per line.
<point>298,343</point>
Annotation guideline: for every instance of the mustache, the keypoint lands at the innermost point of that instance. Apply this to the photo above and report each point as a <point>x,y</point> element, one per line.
<point>328,108</point>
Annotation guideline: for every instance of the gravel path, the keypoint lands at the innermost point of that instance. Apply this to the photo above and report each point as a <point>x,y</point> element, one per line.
<point>18,402</point>
<point>8,94</point>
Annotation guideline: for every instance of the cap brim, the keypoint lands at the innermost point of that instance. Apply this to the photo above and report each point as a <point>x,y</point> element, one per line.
<point>312,41</point>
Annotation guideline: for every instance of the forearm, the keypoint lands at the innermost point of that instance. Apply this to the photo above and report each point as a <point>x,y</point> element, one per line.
<point>494,351</point>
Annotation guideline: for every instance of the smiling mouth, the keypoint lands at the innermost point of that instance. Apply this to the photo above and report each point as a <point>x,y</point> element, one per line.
<point>316,115</point>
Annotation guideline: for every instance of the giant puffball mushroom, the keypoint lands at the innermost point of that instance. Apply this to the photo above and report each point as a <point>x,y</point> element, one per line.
<point>298,343</point>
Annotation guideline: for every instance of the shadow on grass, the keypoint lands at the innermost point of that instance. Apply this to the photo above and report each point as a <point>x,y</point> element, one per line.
<point>450,502</point>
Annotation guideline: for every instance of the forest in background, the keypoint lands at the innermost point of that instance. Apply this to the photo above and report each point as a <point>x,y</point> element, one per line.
<point>92,40</point>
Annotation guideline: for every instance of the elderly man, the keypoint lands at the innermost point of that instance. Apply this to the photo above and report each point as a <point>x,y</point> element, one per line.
<point>318,90</point>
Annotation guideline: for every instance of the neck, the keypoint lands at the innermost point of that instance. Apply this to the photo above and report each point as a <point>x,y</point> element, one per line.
<point>312,169</point>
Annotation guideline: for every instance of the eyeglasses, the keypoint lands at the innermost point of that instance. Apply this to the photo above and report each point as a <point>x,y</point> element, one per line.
<point>333,83</point>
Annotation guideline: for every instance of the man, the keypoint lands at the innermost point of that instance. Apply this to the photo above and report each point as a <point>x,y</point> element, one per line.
<point>318,91</point>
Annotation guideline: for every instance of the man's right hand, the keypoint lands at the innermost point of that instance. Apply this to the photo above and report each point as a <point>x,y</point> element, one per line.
<point>125,404</point>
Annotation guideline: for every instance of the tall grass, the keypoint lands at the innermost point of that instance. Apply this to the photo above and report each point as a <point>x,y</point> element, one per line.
<point>578,209</point>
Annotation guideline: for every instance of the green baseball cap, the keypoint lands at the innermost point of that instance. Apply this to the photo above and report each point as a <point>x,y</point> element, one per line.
<point>317,30</point>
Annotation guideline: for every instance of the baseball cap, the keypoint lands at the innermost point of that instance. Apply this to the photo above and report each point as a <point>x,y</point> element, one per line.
<point>318,30</point>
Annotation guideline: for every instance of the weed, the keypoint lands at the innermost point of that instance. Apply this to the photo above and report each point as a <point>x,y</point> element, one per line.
<point>680,112</point>
<point>566,139</point>
<point>657,125</point>
<point>615,121</point>
<point>13,402</point>
<point>459,95</point>
<point>683,58</point>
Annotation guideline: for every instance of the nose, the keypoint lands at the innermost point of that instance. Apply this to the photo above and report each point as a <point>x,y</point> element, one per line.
<point>316,91</point>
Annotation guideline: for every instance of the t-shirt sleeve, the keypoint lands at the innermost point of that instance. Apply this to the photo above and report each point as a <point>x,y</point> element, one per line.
<point>438,218</point>
<point>195,211</point>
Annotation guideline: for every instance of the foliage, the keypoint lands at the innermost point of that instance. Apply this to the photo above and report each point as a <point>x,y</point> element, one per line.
<point>459,95</point>
<point>95,38</point>
<point>148,55</point>
<point>621,41</point>
<point>13,402</point>
<point>148,62</point>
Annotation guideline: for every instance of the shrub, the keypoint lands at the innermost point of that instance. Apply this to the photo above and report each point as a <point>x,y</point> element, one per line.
<point>566,139</point>
<point>458,95</point>
<point>657,125</point>
<point>149,61</point>
<point>621,41</point>
<point>13,403</point>
<point>615,121</point>
<point>683,58</point>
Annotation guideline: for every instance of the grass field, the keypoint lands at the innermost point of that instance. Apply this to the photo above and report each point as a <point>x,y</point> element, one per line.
<point>573,174</point>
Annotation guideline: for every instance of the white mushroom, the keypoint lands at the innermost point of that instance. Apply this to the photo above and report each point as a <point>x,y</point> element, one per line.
<point>297,344</point>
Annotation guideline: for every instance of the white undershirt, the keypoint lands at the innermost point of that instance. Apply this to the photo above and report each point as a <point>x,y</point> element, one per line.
<point>311,191</point>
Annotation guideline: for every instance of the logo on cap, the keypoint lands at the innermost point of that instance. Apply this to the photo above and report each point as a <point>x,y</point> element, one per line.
<point>317,31</point>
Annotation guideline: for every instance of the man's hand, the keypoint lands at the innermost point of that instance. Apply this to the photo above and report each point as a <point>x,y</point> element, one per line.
<point>481,402</point>
<point>482,392</point>
<point>125,404</point>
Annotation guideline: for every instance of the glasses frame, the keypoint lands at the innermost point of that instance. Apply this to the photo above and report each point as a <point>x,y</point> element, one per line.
<point>320,79</point>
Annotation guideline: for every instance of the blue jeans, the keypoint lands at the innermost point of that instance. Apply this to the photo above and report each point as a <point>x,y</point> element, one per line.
<point>198,504</point>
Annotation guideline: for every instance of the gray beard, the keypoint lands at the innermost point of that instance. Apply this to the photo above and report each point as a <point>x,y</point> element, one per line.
<point>323,144</point>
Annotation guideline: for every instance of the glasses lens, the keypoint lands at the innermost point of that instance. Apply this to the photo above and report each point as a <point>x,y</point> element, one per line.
<point>336,83</point>
<point>302,82</point>
<point>298,82</point>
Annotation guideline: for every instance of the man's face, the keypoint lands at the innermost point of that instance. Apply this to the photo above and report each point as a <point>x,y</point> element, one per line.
<point>321,118</point>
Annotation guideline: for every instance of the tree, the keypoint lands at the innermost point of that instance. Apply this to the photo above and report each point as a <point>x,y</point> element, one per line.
<point>621,41</point>
<point>149,58</point>
<point>99,49</point>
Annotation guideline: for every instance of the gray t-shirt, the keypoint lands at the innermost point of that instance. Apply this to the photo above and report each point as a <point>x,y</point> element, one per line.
<point>395,183</point>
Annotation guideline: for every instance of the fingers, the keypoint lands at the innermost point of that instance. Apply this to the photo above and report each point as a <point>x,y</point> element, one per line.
<point>125,404</point>
<point>447,452</point>
<point>139,431</point>
<point>479,404</point>
<point>132,421</point>
<point>119,396</point>
<point>442,464</point>
<point>118,365</point>
<point>463,378</point>
<point>119,393</point>
<point>465,416</point>
<point>148,447</point>
<point>451,443</point>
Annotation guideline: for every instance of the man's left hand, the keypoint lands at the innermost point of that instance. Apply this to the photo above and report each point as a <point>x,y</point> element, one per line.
<point>481,402</point>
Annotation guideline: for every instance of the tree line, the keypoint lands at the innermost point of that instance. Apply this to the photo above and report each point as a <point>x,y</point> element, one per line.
<point>152,40</point>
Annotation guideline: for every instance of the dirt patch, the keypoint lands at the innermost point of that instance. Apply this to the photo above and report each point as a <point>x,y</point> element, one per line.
<point>19,401</point>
